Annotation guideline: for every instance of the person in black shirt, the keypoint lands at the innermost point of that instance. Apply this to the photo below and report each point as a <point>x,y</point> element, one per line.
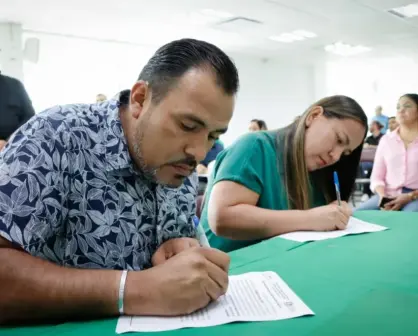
<point>376,130</point>
<point>15,107</point>
<point>366,167</point>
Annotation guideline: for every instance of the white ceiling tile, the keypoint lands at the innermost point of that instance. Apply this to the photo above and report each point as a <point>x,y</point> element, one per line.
<point>156,22</point>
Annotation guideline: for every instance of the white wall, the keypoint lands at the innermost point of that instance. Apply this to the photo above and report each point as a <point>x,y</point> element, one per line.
<point>373,81</point>
<point>75,71</point>
<point>275,91</point>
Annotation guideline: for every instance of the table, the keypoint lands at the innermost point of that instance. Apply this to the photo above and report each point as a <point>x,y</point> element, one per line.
<point>357,285</point>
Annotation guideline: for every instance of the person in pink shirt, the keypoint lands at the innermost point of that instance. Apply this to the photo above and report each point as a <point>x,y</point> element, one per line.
<point>395,169</point>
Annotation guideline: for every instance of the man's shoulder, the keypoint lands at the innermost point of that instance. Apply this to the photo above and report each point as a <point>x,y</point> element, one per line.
<point>72,118</point>
<point>75,115</point>
<point>190,184</point>
<point>10,80</point>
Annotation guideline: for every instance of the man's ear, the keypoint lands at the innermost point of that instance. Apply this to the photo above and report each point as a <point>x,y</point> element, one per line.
<point>139,94</point>
<point>314,113</point>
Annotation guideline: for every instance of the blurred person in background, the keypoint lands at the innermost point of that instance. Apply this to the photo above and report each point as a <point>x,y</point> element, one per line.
<point>393,124</point>
<point>366,167</point>
<point>101,98</point>
<point>202,167</point>
<point>394,178</point>
<point>257,125</point>
<point>15,107</point>
<point>381,118</point>
<point>376,134</point>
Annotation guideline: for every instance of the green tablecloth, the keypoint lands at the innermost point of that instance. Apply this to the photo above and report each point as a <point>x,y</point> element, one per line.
<point>356,285</point>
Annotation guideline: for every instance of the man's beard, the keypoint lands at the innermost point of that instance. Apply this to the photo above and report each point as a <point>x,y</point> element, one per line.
<point>149,173</point>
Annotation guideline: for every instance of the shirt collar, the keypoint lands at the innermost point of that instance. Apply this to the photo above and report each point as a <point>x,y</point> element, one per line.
<point>395,135</point>
<point>116,147</point>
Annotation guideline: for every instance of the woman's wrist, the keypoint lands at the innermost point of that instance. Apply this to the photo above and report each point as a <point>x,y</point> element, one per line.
<point>380,191</point>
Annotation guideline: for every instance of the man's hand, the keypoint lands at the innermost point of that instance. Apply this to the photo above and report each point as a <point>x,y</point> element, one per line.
<point>2,144</point>
<point>171,248</point>
<point>398,203</point>
<point>183,284</point>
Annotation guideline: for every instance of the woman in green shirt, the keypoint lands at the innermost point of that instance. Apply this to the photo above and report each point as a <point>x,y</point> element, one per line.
<point>270,183</point>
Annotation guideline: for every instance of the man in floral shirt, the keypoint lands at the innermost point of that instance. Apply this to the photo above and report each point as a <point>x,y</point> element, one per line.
<point>111,187</point>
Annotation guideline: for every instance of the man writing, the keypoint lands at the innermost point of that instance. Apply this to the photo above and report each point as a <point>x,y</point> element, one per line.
<point>89,192</point>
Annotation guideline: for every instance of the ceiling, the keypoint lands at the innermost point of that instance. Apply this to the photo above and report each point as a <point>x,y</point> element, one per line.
<point>152,23</point>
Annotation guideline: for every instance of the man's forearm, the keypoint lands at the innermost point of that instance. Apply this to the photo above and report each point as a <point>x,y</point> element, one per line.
<point>32,290</point>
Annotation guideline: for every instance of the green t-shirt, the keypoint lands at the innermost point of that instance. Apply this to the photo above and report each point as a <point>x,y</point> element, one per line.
<point>254,162</point>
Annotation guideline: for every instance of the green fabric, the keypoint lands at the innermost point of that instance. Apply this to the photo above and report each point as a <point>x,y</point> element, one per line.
<point>219,141</point>
<point>356,285</point>
<point>252,161</point>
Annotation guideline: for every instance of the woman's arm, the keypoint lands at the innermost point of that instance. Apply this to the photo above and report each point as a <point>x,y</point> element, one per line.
<point>232,213</point>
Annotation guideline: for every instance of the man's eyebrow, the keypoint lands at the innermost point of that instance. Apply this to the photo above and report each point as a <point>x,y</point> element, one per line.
<point>201,123</point>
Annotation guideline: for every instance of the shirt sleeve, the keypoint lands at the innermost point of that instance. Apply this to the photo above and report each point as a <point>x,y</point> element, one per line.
<point>177,220</point>
<point>192,188</point>
<point>378,176</point>
<point>243,163</point>
<point>34,180</point>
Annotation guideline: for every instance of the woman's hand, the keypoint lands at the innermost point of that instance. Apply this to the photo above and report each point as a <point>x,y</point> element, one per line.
<point>330,217</point>
<point>398,203</point>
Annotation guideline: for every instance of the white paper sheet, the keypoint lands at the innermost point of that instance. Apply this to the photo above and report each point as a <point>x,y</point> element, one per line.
<point>354,226</point>
<point>250,297</point>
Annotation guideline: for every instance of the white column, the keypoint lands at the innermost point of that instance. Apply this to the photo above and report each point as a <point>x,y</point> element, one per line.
<point>11,50</point>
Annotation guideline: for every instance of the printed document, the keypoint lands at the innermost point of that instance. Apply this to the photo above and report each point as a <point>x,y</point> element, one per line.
<point>354,226</point>
<point>257,296</point>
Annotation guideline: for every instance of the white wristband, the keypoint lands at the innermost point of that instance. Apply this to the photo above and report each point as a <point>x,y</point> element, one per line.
<point>122,291</point>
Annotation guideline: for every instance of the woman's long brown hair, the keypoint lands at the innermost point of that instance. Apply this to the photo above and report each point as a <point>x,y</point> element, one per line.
<point>297,178</point>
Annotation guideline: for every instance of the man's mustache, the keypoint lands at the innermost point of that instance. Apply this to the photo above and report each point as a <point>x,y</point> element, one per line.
<point>190,161</point>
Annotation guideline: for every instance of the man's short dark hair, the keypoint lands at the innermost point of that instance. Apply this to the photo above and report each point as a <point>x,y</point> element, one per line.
<point>378,124</point>
<point>173,60</point>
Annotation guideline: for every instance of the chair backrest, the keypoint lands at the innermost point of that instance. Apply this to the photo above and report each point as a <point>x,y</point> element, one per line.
<point>368,154</point>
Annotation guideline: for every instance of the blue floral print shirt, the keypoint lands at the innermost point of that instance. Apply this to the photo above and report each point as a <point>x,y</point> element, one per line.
<point>69,193</point>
